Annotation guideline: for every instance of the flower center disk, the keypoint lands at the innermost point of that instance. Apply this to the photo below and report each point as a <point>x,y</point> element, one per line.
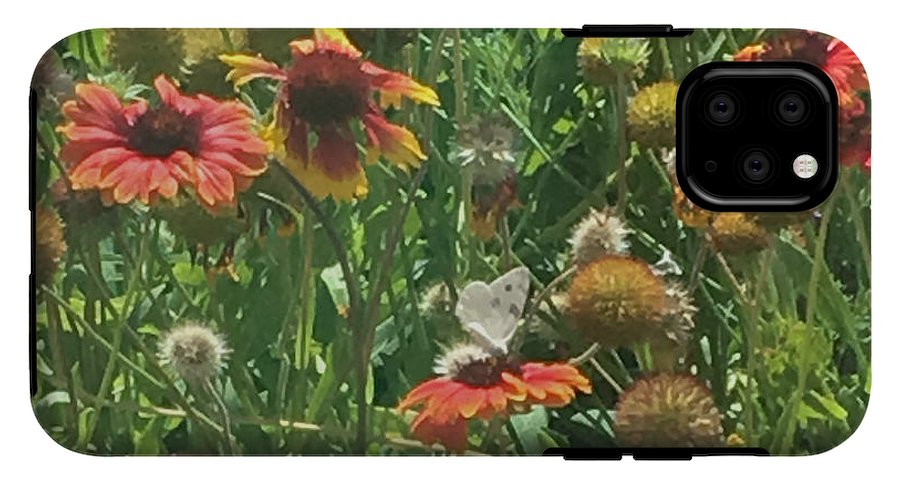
<point>162,131</point>
<point>326,88</point>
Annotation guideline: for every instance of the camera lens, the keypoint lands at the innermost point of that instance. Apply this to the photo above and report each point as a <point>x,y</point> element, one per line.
<point>791,108</point>
<point>756,167</point>
<point>721,108</point>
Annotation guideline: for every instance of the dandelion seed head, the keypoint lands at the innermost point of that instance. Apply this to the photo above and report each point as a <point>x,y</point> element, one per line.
<point>598,234</point>
<point>194,352</point>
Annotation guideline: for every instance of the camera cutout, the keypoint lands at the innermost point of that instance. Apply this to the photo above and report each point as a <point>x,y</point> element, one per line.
<point>741,125</point>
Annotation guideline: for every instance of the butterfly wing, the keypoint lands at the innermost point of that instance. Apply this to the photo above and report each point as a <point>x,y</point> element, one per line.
<point>490,313</point>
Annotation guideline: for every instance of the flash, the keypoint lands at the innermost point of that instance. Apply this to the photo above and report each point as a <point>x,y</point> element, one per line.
<point>805,166</point>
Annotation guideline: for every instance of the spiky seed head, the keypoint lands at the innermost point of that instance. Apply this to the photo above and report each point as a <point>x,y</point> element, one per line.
<point>49,244</point>
<point>668,410</point>
<point>651,115</point>
<point>194,351</point>
<point>599,233</point>
<point>738,233</point>
<point>603,60</point>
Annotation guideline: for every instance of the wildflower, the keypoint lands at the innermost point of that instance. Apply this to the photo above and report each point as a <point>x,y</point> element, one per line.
<point>324,92</point>
<point>273,44</point>
<point>141,151</point>
<point>49,244</point>
<point>847,74</point>
<point>604,60</point>
<point>475,383</point>
<point>599,233</point>
<point>194,352</point>
<point>668,410</point>
<point>619,300</point>
<point>147,52</point>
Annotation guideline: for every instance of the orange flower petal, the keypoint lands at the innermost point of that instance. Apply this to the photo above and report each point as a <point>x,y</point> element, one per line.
<point>396,143</point>
<point>247,68</point>
<point>398,83</point>
<point>338,38</point>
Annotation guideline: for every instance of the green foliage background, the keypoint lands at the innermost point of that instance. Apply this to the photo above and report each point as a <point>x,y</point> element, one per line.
<point>788,378</point>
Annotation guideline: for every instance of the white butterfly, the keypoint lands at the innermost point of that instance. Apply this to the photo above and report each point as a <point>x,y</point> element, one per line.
<point>491,313</point>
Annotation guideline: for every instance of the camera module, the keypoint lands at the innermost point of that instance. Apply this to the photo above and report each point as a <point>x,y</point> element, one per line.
<point>791,108</point>
<point>756,167</point>
<point>721,108</point>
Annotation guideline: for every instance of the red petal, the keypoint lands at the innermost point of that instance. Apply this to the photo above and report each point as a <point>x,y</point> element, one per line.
<point>336,155</point>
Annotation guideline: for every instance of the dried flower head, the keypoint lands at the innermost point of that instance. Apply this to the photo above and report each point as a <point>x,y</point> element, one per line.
<point>651,115</point>
<point>52,84</point>
<point>619,301</point>
<point>689,213</point>
<point>491,202</point>
<point>194,352</point>
<point>49,244</point>
<point>738,233</point>
<point>604,60</point>
<point>668,410</point>
<point>599,233</point>
<point>204,72</point>
<point>149,52</point>
<point>485,149</point>
<point>197,226</point>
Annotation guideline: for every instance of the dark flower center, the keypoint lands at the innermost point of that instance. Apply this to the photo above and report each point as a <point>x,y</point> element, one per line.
<point>326,88</point>
<point>486,373</point>
<point>162,131</point>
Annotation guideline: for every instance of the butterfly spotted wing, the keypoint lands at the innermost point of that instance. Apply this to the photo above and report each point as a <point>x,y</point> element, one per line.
<point>491,312</point>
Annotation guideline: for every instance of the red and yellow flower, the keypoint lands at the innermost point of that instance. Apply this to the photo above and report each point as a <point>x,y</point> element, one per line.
<point>475,383</point>
<point>844,69</point>
<point>136,150</point>
<point>325,91</point>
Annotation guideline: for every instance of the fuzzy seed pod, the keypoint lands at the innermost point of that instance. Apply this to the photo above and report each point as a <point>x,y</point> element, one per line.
<point>668,410</point>
<point>194,351</point>
<point>49,244</point>
<point>599,233</point>
<point>651,115</point>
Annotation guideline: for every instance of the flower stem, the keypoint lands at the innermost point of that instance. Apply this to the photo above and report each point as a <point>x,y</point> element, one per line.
<point>365,334</point>
<point>818,263</point>
<point>302,338</point>
<point>862,235</point>
<point>226,420</point>
<point>621,107</point>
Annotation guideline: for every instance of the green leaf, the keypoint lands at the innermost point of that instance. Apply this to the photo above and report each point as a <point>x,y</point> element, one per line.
<point>528,428</point>
<point>189,274</point>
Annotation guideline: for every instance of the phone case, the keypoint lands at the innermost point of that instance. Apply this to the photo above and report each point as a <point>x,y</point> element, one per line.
<point>437,241</point>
